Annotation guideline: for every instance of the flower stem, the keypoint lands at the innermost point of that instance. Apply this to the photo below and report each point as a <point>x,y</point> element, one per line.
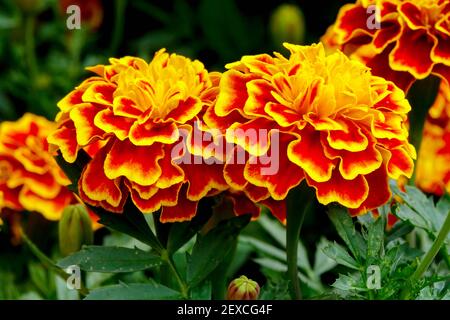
<point>299,202</point>
<point>183,287</point>
<point>30,46</point>
<point>117,33</point>
<point>421,97</point>
<point>426,261</point>
<point>49,264</point>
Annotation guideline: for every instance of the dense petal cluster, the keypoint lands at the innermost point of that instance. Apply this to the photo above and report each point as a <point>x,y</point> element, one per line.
<point>132,117</point>
<point>339,127</point>
<point>433,165</point>
<point>411,42</point>
<point>30,178</point>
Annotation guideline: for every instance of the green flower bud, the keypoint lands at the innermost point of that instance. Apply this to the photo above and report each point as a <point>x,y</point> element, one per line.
<point>75,229</point>
<point>287,24</point>
<point>243,288</point>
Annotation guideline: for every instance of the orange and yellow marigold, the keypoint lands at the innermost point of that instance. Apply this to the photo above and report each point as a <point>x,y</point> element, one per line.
<point>340,127</point>
<point>130,118</point>
<point>30,178</point>
<point>433,165</point>
<point>411,42</point>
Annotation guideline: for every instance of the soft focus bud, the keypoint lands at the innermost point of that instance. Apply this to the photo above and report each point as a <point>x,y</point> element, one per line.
<point>287,25</point>
<point>75,229</point>
<point>243,288</point>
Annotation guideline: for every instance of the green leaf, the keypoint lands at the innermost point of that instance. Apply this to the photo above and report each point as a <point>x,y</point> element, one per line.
<point>399,230</point>
<point>375,239</point>
<point>111,259</point>
<point>421,211</point>
<point>182,232</point>
<point>338,253</point>
<point>346,230</point>
<point>211,249</point>
<point>138,291</point>
<point>265,248</point>
<point>271,264</point>
<point>274,228</point>
<point>349,283</point>
<point>275,290</point>
<point>131,222</point>
<point>322,263</point>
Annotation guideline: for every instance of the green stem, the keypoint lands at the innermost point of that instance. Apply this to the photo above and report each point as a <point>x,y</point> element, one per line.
<point>428,259</point>
<point>49,264</point>
<point>183,287</point>
<point>299,202</point>
<point>117,33</point>
<point>421,97</point>
<point>30,50</point>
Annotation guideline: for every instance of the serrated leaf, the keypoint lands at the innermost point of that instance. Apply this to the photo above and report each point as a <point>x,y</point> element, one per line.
<point>210,250</point>
<point>274,228</point>
<point>264,248</point>
<point>138,291</point>
<point>375,239</point>
<point>338,253</point>
<point>322,263</point>
<point>346,230</point>
<point>111,259</point>
<point>349,283</point>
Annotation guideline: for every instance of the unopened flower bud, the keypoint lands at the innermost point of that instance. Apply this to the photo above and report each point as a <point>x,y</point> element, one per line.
<point>287,24</point>
<point>243,288</point>
<point>75,229</point>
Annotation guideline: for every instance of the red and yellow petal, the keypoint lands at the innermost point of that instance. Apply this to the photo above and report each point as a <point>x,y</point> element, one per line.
<point>50,208</point>
<point>259,94</point>
<point>161,197</point>
<point>379,191</point>
<point>107,121</point>
<point>65,139</point>
<point>266,171</point>
<point>233,92</point>
<point>184,210</point>
<point>100,93</point>
<point>412,53</point>
<point>96,188</point>
<point>83,119</point>
<point>308,153</point>
<point>185,111</point>
<point>349,193</point>
<point>137,164</point>
<point>202,178</point>
<point>148,133</point>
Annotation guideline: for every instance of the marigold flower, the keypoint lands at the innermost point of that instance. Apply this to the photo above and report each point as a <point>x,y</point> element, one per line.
<point>433,164</point>
<point>133,114</point>
<point>30,178</point>
<point>412,41</point>
<point>339,126</point>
